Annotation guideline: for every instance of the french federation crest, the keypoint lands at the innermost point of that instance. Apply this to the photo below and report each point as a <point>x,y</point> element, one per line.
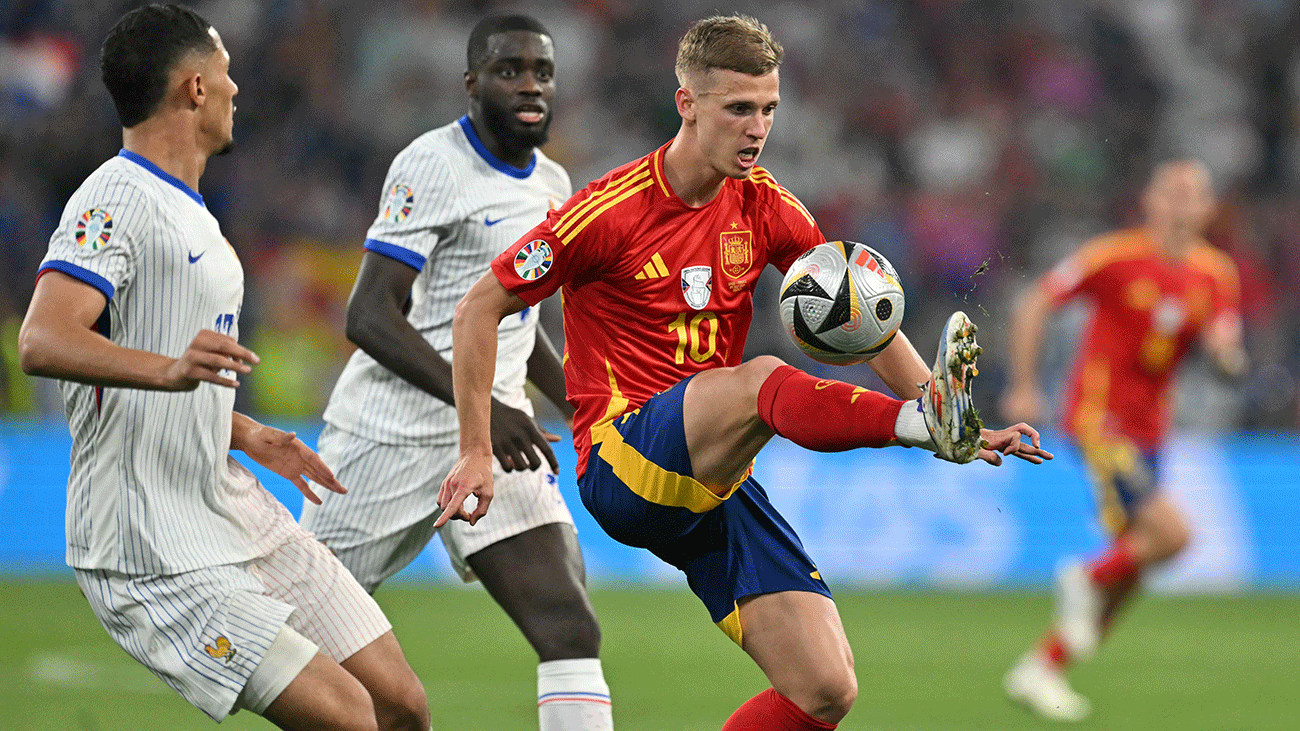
<point>737,252</point>
<point>94,229</point>
<point>533,260</point>
<point>697,286</point>
<point>398,204</point>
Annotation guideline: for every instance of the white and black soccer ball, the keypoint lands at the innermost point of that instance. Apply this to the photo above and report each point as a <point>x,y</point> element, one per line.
<point>842,302</point>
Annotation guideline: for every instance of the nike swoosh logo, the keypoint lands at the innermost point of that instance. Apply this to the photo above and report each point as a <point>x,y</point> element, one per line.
<point>490,222</point>
<point>194,258</point>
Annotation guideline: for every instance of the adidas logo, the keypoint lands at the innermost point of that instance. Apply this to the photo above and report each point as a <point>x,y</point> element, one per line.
<point>654,269</point>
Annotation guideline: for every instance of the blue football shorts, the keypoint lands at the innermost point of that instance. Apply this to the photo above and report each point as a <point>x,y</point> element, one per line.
<point>1124,477</point>
<point>640,488</point>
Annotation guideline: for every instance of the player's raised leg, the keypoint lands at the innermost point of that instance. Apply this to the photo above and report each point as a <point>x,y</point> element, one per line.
<point>548,602</point>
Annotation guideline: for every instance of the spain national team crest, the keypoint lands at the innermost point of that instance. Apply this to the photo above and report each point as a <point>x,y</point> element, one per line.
<point>697,285</point>
<point>534,260</point>
<point>737,253</point>
<point>94,229</point>
<point>398,204</point>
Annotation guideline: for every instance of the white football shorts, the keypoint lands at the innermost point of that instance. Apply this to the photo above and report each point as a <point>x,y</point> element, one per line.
<point>386,518</point>
<point>204,632</point>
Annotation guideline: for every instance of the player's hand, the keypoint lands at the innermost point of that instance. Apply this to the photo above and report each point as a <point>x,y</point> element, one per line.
<point>472,475</point>
<point>517,438</point>
<point>1022,403</point>
<point>284,453</point>
<point>1011,441</point>
<point>208,355</point>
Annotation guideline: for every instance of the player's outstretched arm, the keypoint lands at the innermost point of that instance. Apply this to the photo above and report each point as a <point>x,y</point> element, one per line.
<point>1023,398</point>
<point>901,368</point>
<point>58,340</point>
<point>474,355</point>
<point>283,453</point>
<point>546,371</point>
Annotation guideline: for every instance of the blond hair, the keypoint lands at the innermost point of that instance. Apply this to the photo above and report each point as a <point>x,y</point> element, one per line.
<point>732,42</point>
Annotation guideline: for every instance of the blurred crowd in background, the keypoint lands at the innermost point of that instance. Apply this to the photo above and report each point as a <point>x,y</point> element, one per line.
<point>973,142</point>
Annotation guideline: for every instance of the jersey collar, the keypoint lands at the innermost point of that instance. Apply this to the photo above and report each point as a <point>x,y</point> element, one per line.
<point>491,159</point>
<point>143,162</point>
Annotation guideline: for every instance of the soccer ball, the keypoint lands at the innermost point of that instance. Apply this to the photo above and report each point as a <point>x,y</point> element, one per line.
<point>841,302</point>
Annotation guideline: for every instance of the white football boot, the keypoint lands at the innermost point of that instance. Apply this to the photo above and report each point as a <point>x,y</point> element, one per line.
<point>1035,682</point>
<point>946,404</point>
<point>1078,610</point>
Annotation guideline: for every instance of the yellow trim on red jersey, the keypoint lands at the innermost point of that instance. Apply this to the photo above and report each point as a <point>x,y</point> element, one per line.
<point>596,213</point>
<point>612,189</point>
<point>1094,396</point>
<point>1219,266</point>
<point>762,177</point>
<point>658,167</point>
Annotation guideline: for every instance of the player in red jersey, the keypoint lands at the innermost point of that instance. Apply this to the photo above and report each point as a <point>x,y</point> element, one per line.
<point>656,262</point>
<point>1154,290</point>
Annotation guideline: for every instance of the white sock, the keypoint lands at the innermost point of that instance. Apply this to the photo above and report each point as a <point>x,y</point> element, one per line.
<point>572,696</point>
<point>910,428</point>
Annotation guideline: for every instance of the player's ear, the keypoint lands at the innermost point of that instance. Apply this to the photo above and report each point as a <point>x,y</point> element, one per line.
<point>685,103</point>
<point>194,89</point>
<point>471,83</point>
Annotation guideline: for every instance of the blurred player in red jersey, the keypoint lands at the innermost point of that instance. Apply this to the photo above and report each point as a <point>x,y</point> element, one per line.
<point>657,262</point>
<point>1154,291</point>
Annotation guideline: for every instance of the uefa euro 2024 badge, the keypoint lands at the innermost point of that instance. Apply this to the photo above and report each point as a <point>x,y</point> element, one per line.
<point>94,229</point>
<point>697,285</point>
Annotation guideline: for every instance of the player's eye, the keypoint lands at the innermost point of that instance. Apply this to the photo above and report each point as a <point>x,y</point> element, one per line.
<point>769,109</point>
<point>507,73</point>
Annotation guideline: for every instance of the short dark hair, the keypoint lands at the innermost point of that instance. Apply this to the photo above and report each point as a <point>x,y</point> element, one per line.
<point>140,52</point>
<point>476,50</point>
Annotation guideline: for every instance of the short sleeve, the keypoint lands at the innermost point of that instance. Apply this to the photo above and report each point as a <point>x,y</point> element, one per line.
<point>555,251</point>
<point>96,239</point>
<point>416,207</point>
<point>1080,272</point>
<point>794,231</point>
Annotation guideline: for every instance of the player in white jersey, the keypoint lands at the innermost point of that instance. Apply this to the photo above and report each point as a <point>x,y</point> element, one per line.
<point>455,198</point>
<point>191,566</point>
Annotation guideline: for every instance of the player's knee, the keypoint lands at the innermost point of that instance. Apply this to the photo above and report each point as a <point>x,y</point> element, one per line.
<point>832,695</point>
<point>1177,535</point>
<point>754,373</point>
<point>571,631</point>
<point>404,709</point>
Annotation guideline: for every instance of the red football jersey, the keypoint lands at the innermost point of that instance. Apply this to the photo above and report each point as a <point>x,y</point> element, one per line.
<point>1147,311</point>
<point>653,290</point>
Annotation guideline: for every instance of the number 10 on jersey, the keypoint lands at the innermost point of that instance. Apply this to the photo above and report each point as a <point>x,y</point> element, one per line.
<point>691,332</point>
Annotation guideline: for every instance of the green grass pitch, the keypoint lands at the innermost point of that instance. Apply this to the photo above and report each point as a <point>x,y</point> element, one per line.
<point>925,662</point>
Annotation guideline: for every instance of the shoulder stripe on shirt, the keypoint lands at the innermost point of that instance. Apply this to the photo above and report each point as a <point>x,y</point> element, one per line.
<point>596,214</point>
<point>763,177</point>
<point>614,187</point>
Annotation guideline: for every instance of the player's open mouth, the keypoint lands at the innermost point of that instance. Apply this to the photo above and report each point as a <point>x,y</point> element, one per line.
<point>530,113</point>
<point>747,156</point>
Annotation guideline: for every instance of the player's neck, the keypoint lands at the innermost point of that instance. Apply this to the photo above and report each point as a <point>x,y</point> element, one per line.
<point>1173,243</point>
<point>514,158</point>
<point>167,147</point>
<point>689,172</point>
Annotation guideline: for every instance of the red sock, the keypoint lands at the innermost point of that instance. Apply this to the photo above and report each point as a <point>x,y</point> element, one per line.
<point>1114,566</point>
<point>823,415</point>
<point>1055,650</point>
<point>771,711</point>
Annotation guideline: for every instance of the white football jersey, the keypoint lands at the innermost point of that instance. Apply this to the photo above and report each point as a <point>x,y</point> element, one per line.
<point>152,487</point>
<point>449,206</point>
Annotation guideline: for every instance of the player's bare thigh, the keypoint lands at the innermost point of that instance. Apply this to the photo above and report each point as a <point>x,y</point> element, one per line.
<point>798,640</point>
<point>720,416</point>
